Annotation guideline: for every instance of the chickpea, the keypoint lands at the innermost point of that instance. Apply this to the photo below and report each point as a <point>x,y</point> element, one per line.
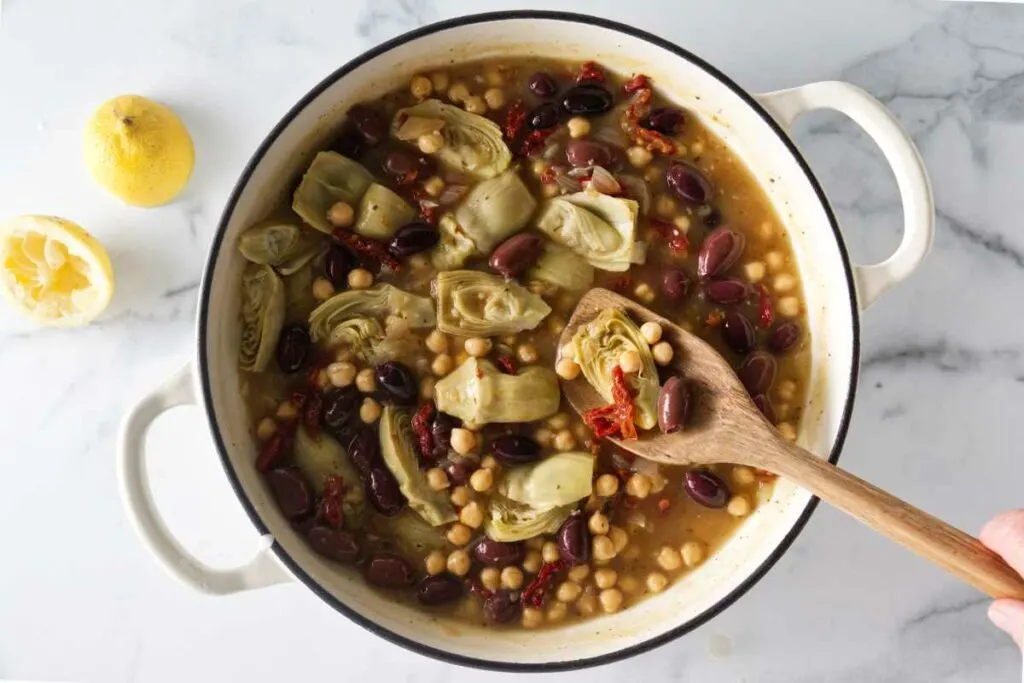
<point>512,578</point>
<point>323,289</point>
<point>558,421</point>
<point>620,539</point>
<point>365,381</point>
<point>568,591</point>
<point>527,353</point>
<point>437,342</point>
<point>755,271</point>
<point>697,148</point>
<point>668,558</point>
<point>493,76</point>
<point>665,206</point>
<point>532,561</point>
<point>738,506</point>
<point>784,282</point>
<point>491,463</point>
<point>360,278</point>
<point>555,325</point>
<point>341,215</point>
<point>433,186</point>
<point>442,364</point>
<point>434,563</point>
<point>431,143</point>
<point>287,411</point>
<point>656,582</point>
<point>578,573</point>
<point>475,104</point>
<point>535,543</point>
<point>639,157</point>
<point>743,476</point>
<point>653,175</point>
<point>439,81</point>
<point>611,600</point>
<point>557,611</point>
<point>544,436</point>
<point>788,306</point>
<point>550,552</point>
<point>630,362</point>
<point>341,374</point>
<point>459,562</point>
<point>490,578</point>
<point>459,496</point>
<point>458,92</point>
<point>567,369</point>
<point>421,87</point>
<point>427,385</point>
<point>629,585</point>
<point>369,411</point>
<point>786,390</point>
<point>459,534</point>
<point>472,515</point>
<point>682,223</point>
<point>578,127</point>
<point>658,482</point>
<point>693,553</point>
<point>651,332</point>
<point>532,617</point>
<point>495,98</point>
<point>565,440</point>
<point>266,428</point>
<point>605,577</point>
<point>463,441</point>
<point>638,486</point>
<point>662,352</point>
<point>437,479</point>
<point>482,479</point>
<point>644,292</point>
<point>478,347</point>
<point>606,485</point>
<point>598,524</point>
<point>774,259</point>
<point>602,548</point>
<point>586,605</point>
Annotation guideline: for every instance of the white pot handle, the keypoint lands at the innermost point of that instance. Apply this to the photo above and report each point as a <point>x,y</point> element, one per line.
<point>262,570</point>
<point>878,122</point>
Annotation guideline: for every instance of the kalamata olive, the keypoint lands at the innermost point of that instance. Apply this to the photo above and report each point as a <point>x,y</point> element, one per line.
<point>738,332</point>
<point>783,336</point>
<point>337,265</point>
<point>364,450</point>
<point>290,491</point>
<point>397,382</point>
<point>387,570</point>
<point>513,449</point>
<point>588,99</point>
<point>439,589</point>
<point>582,153</point>
<point>543,116</point>
<point>719,252</point>
<point>688,182</point>
<point>498,554</point>
<point>764,404</point>
<point>542,85</point>
<point>292,348</point>
<point>458,472</point>
<point>574,539</point>
<point>335,544</point>
<point>757,372</point>
<point>706,488</point>
<point>675,284</point>
<point>340,405</point>
<point>673,405</point>
<point>349,143</point>
<point>500,608</point>
<point>403,163</point>
<point>441,429</point>
<point>664,120</point>
<point>515,255</point>
<point>726,291</point>
<point>383,491</point>
<point>412,238</point>
<point>368,123</point>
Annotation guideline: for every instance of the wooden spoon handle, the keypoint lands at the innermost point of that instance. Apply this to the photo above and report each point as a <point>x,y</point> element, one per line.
<point>946,546</point>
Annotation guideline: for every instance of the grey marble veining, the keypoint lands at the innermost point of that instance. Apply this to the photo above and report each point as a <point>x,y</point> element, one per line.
<point>937,414</point>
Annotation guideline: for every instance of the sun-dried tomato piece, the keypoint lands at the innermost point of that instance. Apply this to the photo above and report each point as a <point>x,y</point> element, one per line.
<point>664,505</point>
<point>365,246</point>
<point>534,141</point>
<point>330,503</point>
<point>271,452</point>
<point>421,427</point>
<point>429,211</point>
<point>766,307</point>
<point>549,174</point>
<point>636,83</point>
<point>515,119</point>
<point>638,108</point>
<point>590,72</point>
<point>534,593</point>
<point>715,318</point>
<point>506,365</point>
<point>616,417</point>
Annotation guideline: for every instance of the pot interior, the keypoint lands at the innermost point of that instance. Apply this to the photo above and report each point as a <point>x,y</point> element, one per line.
<point>730,115</point>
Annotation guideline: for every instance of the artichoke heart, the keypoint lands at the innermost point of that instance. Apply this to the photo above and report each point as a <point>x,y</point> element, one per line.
<point>562,268</point>
<point>396,448</point>
<point>494,210</point>
<point>472,144</point>
<point>509,521</point>
<point>321,456</point>
<point>558,480</point>
<point>263,300</point>
<point>376,302</point>
<point>285,246</point>
<point>455,246</point>
<point>475,304</point>
<point>598,346</point>
<point>360,335</point>
<point>412,536</point>
<point>381,213</point>
<point>331,178</point>
<point>478,392</point>
<point>599,228</point>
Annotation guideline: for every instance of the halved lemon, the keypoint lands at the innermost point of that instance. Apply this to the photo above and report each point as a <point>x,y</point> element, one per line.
<point>53,271</point>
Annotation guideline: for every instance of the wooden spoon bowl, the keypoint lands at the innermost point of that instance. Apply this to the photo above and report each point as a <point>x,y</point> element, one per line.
<point>726,427</point>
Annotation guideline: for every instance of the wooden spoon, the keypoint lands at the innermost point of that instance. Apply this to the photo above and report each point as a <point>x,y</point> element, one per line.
<point>726,427</point>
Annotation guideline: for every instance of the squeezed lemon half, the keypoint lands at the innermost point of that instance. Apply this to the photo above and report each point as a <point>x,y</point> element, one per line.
<point>53,271</point>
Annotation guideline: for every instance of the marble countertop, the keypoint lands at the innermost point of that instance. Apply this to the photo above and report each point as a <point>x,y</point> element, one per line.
<point>937,418</point>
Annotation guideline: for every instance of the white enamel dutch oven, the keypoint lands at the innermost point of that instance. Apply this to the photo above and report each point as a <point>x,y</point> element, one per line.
<point>754,126</point>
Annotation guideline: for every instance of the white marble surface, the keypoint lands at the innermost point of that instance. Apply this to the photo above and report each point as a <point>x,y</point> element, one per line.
<point>937,418</point>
